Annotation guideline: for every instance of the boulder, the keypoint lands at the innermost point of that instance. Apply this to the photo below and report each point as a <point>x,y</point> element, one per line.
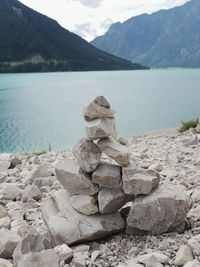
<point>194,263</point>
<point>161,211</point>
<point>64,252</point>
<point>183,256</point>
<point>115,150</point>
<point>94,111</point>
<point>139,182</point>
<point>4,165</point>
<point>67,226</point>
<point>111,199</point>
<point>74,179</point>
<point>8,243</point>
<point>31,191</point>
<point>45,258</point>
<point>87,154</point>
<point>100,128</point>
<point>30,243</point>
<point>107,175</point>
<point>10,191</point>
<point>84,204</point>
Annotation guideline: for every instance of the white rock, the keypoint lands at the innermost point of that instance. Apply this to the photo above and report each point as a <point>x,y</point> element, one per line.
<point>64,252</point>
<point>84,204</point>
<point>5,263</point>
<point>194,263</point>
<point>161,211</point>
<point>4,165</point>
<point>74,179</point>
<point>111,199</point>
<point>194,244</point>
<point>183,256</point>
<point>139,182</point>
<point>100,128</point>
<point>8,242</point>
<point>5,222</point>
<point>38,171</point>
<point>87,154</point>
<point>115,150</point>
<point>159,256</point>
<point>10,191</point>
<point>107,175</point>
<point>68,226</point>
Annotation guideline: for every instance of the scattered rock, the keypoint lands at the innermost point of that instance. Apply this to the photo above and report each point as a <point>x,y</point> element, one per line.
<point>10,191</point>
<point>139,182</point>
<point>87,154</point>
<point>8,243</point>
<point>183,256</point>
<point>74,179</point>
<point>84,204</point>
<point>114,150</point>
<point>107,175</point>
<point>5,263</point>
<point>194,244</point>
<point>64,252</point>
<point>194,263</point>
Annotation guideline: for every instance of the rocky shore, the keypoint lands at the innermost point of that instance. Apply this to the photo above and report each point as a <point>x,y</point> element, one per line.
<point>41,225</point>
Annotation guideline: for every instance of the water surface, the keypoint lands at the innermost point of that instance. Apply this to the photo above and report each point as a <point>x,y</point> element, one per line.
<point>46,108</point>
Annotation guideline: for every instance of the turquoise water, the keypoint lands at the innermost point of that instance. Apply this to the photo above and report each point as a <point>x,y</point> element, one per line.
<point>46,108</point>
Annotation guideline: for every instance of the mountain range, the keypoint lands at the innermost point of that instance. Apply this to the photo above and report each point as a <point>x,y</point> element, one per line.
<point>167,38</point>
<point>30,41</point>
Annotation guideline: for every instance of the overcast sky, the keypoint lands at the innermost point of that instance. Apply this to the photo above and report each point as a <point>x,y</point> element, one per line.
<point>91,18</point>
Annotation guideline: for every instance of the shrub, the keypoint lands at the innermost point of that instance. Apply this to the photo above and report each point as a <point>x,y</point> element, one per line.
<point>186,125</point>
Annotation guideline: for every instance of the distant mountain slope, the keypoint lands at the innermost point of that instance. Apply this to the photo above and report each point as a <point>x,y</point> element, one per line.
<point>167,38</point>
<point>30,41</point>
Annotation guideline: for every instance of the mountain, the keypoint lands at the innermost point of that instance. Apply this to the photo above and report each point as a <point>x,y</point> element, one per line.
<point>167,38</point>
<point>30,41</point>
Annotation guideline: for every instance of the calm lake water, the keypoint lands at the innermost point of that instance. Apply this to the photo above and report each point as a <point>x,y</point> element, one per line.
<point>46,108</point>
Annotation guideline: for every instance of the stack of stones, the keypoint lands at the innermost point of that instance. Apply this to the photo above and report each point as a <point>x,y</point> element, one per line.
<point>96,186</point>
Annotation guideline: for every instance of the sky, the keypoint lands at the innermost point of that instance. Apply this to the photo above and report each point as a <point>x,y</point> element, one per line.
<point>91,18</point>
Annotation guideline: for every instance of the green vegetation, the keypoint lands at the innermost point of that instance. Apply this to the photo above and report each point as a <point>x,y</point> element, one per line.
<point>26,33</point>
<point>186,125</point>
<point>167,38</point>
<point>40,153</point>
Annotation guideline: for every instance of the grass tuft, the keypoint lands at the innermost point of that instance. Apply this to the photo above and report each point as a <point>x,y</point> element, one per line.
<point>186,125</point>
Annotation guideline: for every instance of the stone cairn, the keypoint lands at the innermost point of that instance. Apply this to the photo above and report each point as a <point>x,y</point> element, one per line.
<point>99,189</point>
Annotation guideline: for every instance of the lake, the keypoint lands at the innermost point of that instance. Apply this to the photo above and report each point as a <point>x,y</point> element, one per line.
<point>45,109</point>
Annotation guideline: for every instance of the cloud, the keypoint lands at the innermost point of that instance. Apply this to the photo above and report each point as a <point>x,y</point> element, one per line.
<point>106,23</point>
<point>85,30</point>
<point>91,3</point>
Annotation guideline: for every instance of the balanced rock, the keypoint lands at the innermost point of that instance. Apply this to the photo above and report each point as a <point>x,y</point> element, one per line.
<point>107,175</point>
<point>74,179</point>
<point>68,226</point>
<point>84,204</point>
<point>139,182</point>
<point>45,258</point>
<point>100,128</point>
<point>87,154</point>
<point>115,150</point>
<point>96,110</point>
<point>161,211</point>
<point>111,199</point>
<point>102,101</point>
<point>8,243</point>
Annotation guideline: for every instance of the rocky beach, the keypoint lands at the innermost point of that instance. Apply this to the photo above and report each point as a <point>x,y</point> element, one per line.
<point>108,202</point>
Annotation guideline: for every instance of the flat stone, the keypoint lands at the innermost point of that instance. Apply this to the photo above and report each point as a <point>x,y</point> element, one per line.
<point>64,252</point>
<point>45,258</point>
<point>139,182</point>
<point>111,199</point>
<point>74,179</point>
<point>94,111</point>
<point>87,154</point>
<point>107,175</point>
<point>163,210</point>
<point>8,243</point>
<point>30,243</point>
<point>115,150</point>
<point>84,204</point>
<point>194,244</point>
<point>67,226</point>
<point>100,128</point>
<point>10,191</point>
<point>5,263</point>
<point>183,256</point>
